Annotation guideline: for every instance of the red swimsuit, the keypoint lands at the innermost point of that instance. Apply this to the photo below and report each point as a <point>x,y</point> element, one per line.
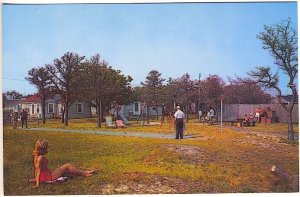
<point>45,174</point>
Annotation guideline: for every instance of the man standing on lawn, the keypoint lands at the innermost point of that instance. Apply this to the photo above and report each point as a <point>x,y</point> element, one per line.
<point>24,118</point>
<point>179,116</point>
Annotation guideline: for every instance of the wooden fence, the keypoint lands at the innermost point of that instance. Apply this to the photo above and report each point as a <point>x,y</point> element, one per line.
<point>232,111</point>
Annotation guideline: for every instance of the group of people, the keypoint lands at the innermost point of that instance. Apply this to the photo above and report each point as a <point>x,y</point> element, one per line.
<point>23,116</point>
<point>208,117</point>
<point>247,120</point>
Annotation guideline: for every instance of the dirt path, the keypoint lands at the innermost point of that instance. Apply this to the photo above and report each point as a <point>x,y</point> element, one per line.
<point>156,135</point>
<point>112,133</point>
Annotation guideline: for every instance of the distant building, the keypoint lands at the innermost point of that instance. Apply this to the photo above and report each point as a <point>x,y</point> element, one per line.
<point>13,104</point>
<point>54,107</point>
<point>33,106</point>
<point>10,105</point>
<point>286,99</point>
<point>136,108</point>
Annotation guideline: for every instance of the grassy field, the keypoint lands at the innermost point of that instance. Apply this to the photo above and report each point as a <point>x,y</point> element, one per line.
<point>212,162</point>
<point>192,127</point>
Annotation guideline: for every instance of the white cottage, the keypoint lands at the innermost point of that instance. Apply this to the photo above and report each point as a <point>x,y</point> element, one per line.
<point>54,108</point>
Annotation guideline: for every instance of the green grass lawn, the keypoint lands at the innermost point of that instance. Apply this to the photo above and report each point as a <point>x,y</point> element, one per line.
<point>213,162</point>
<point>192,126</point>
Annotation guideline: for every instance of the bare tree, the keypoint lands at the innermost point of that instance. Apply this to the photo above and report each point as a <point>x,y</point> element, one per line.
<point>41,78</point>
<point>281,41</point>
<point>65,75</point>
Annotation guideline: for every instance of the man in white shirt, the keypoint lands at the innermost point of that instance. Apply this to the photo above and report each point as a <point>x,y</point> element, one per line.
<point>179,116</point>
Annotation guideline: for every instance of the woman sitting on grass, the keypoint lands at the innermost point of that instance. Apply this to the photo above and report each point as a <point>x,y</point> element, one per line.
<point>41,171</point>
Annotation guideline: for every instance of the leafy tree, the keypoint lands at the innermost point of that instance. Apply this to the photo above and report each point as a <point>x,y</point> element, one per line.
<point>138,94</point>
<point>41,78</point>
<point>153,85</point>
<point>212,90</point>
<point>14,94</point>
<point>182,91</point>
<point>104,85</point>
<point>167,99</point>
<point>65,73</point>
<point>245,92</point>
<point>171,93</point>
<point>282,42</point>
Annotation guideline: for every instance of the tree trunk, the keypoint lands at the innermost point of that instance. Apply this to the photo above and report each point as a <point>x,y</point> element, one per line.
<point>289,110</point>
<point>279,172</point>
<point>290,125</point>
<point>99,110</point>
<point>293,180</point>
<point>156,112</point>
<point>102,110</point>
<point>147,114</point>
<point>63,116</point>
<point>66,123</point>
<point>44,111</point>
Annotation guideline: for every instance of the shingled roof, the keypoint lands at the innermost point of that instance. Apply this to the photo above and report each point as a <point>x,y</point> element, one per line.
<point>33,99</point>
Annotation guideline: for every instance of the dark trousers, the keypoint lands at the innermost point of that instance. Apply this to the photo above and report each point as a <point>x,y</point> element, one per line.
<point>24,121</point>
<point>179,128</point>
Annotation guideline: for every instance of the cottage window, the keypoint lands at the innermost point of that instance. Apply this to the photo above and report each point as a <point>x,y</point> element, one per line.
<point>79,108</point>
<point>50,108</point>
<point>32,109</point>
<point>136,107</point>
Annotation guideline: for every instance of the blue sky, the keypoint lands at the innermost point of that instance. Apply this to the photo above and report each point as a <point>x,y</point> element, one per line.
<point>177,38</point>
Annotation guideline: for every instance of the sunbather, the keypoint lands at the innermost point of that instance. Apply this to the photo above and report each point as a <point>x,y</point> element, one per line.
<point>41,171</point>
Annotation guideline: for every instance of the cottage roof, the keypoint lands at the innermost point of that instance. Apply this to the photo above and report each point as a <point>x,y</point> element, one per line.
<point>33,99</point>
<point>13,102</point>
<point>288,98</point>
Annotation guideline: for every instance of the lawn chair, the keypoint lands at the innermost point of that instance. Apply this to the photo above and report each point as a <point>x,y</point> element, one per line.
<point>120,123</point>
<point>109,122</point>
